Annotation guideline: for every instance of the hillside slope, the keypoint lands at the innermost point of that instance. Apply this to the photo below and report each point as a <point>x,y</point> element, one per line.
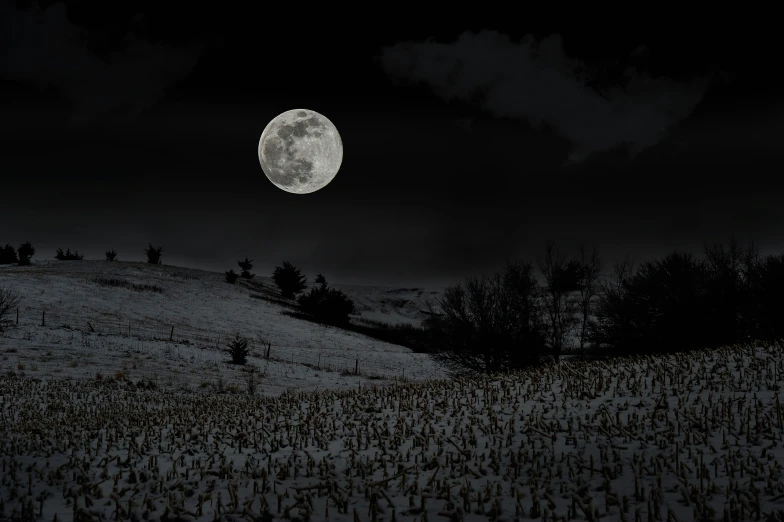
<point>172,326</point>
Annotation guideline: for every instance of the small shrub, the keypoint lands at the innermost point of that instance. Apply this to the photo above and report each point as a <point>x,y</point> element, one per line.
<point>68,256</point>
<point>120,376</point>
<point>25,252</point>
<point>98,376</point>
<point>238,349</point>
<point>233,388</point>
<point>20,366</point>
<point>111,255</point>
<point>204,384</point>
<point>153,254</point>
<point>231,277</point>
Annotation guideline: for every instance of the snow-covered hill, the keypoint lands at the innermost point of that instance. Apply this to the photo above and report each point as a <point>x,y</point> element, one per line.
<point>82,318</point>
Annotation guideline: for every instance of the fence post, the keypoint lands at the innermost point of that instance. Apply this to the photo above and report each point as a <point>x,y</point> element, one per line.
<point>43,317</point>
<point>356,367</point>
<point>171,334</point>
<point>319,363</point>
<point>17,316</point>
<point>129,328</point>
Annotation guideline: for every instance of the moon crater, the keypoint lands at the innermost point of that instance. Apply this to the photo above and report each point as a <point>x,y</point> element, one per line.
<point>300,151</point>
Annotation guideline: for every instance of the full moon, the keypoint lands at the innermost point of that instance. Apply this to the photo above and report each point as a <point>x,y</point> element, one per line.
<point>300,151</point>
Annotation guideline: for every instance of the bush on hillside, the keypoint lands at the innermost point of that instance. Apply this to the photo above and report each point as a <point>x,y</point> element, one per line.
<point>326,304</point>
<point>111,255</point>
<point>25,252</point>
<point>68,256</point>
<point>153,254</point>
<point>289,279</point>
<point>8,255</point>
<point>231,277</point>
<point>246,267</point>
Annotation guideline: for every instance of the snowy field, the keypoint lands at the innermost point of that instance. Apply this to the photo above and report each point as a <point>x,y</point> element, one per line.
<point>173,334</point>
<point>687,437</point>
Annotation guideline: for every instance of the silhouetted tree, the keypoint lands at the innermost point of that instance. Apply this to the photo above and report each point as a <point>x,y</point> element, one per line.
<point>238,350</point>
<point>613,327</point>
<point>588,287</point>
<point>231,277</point>
<point>9,299</point>
<point>661,308</point>
<point>68,256</point>
<point>489,324</point>
<point>25,251</point>
<point>8,255</point>
<point>561,278</point>
<point>289,279</point>
<point>730,303</point>
<point>767,308</point>
<point>111,255</point>
<point>246,266</point>
<point>326,304</point>
<point>154,254</point>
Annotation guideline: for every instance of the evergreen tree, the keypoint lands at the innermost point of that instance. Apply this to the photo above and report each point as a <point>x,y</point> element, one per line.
<point>246,266</point>
<point>25,251</point>
<point>154,254</point>
<point>289,279</point>
<point>326,304</point>
<point>111,255</point>
<point>238,349</point>
<point>231,277</point>
<point>8,255</point>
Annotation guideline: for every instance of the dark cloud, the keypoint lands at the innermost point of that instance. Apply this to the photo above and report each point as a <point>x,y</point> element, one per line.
<point>536,81</point>
<point>43,48</point>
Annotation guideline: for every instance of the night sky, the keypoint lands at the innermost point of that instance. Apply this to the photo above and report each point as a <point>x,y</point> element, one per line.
<point>466,143</point>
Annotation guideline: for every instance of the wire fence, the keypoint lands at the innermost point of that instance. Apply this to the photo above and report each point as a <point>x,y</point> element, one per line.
<point>174,341</point>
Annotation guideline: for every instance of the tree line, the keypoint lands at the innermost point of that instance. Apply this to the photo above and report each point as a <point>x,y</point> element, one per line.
<point>528,313</point>
<point>510,320</point>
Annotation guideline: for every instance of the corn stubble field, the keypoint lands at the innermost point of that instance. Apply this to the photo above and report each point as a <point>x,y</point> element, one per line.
<point>694,436</point>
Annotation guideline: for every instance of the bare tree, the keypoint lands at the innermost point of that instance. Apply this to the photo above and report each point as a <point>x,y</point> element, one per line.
<point>730,285</point>
<point>488,324</point>
<point>590,270</point>
<point>9,299</point>
<point>561,279</point>
<point>622,273</point>
<point>612,322</point>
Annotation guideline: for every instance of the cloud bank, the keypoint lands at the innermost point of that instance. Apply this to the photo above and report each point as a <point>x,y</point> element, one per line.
<point>43,48</point>
<point>538,83</point>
